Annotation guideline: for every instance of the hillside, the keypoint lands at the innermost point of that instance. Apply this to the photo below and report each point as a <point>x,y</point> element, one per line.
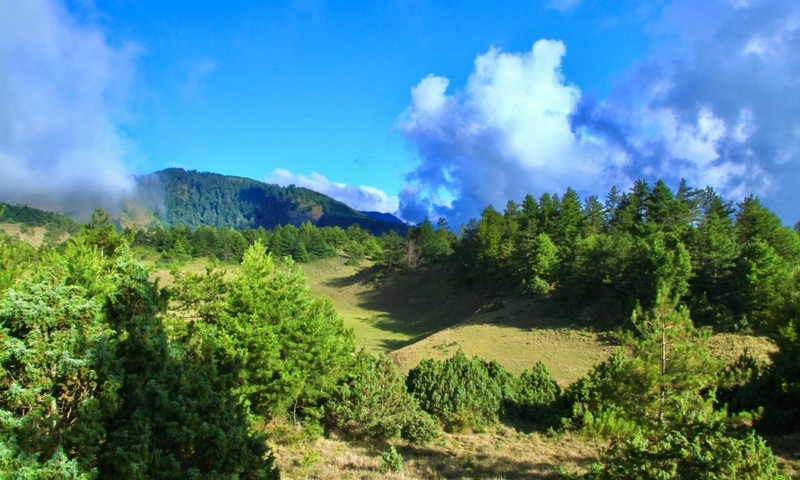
<point>178,197</point>
<point>419,314</point>
<point>35,226</point>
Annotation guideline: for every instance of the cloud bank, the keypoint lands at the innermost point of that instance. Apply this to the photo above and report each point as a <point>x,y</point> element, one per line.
<point>62,86</point>
<point>718,106</point>
<point>362,198</point>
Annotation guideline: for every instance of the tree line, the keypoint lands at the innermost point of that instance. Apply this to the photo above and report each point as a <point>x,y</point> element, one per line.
<point>734,267</point>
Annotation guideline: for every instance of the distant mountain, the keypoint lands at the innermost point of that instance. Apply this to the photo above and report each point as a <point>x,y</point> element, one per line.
<point>386,217</point>
<point>178,197</point>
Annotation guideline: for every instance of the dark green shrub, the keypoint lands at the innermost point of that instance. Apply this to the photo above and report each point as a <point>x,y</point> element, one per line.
<point>421,428</point>
<point>536,394</point>
<point>458,391</point>
<point>508,386</point>
<point>776,387</point>
<point>371,401</point>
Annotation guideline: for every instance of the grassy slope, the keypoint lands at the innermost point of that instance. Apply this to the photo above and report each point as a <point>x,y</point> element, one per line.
<point>418,315</point>
<point>13,229</point>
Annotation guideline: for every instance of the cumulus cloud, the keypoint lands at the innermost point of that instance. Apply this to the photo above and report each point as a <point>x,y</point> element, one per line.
<point>719,108</point>
<point>506,134</point>
<point>61,88</point>
<point>362,198</point>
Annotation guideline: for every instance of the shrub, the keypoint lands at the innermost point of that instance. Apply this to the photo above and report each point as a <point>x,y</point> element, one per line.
<point>697,449</point>
<point>459,391</point>
<point>392,461</point>
<point>594,396</point>
<point>371,401</point>
<point>536,393</point>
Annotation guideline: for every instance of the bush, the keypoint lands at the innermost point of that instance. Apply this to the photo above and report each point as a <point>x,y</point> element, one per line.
<point>460,391</point>
<point>536,394</point>
<point>371,401</point>
<point>594,397</point>
<point>698,449</point>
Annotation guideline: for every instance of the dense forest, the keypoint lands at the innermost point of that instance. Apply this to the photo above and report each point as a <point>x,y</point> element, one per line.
<point>105,373</point>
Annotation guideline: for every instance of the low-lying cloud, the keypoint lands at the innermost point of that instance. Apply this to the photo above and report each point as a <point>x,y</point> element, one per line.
<point>363,198</point>
<point>718,107</point>
<point>62,87</point>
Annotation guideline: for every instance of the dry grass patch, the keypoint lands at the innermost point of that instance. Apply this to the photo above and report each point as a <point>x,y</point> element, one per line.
<point>33,236</point>
<point>728,347</point>
<point>503,453</point>
<point>195,266</point>
<point>568,354</point>
<point>787,453</point>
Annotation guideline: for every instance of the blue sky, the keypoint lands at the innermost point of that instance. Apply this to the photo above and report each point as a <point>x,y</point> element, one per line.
<point>413,107</point>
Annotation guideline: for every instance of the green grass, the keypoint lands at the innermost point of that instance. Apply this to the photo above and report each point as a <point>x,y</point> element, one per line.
<point>393,312</point>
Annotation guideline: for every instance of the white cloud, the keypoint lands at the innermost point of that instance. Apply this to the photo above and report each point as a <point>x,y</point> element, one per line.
<point>362,198</point>
<point>506,134</point>
<point>61,87</point>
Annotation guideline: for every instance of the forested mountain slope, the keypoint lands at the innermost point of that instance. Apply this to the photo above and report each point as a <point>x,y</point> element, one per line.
<point>190,198</point>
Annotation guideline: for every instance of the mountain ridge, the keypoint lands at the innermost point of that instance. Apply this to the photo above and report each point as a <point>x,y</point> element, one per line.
<point>175,196</point>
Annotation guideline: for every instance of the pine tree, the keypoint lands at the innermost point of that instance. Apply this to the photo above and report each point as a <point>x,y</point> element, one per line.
<point>670,364</point>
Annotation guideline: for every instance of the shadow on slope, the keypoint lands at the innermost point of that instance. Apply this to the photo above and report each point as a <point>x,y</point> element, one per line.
<point>416,303</point>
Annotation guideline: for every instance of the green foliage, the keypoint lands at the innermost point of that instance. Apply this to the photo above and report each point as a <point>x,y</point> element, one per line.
<point>594,398</point>
<point>178,416</point>
<point>701,448</point>
<point>663,373</point>
<point>55,224</point>
<point>536,393</point>
<point>656,407</point>
<point>15,257</point>
<point>776,388</point>
<point>293,346</point>
<point>459,391</point>
<point>55,348</point>
<point>538,273</point>
<point>371,401</point>
<point>391,461</point>
<point>601,260</point>
<point>670,365</point>
<point>90,384</point>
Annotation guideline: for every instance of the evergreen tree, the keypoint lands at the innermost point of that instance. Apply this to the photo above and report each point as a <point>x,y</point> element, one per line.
<point>714,251</point>
<point>293,346</point>
<point>594,216</point>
